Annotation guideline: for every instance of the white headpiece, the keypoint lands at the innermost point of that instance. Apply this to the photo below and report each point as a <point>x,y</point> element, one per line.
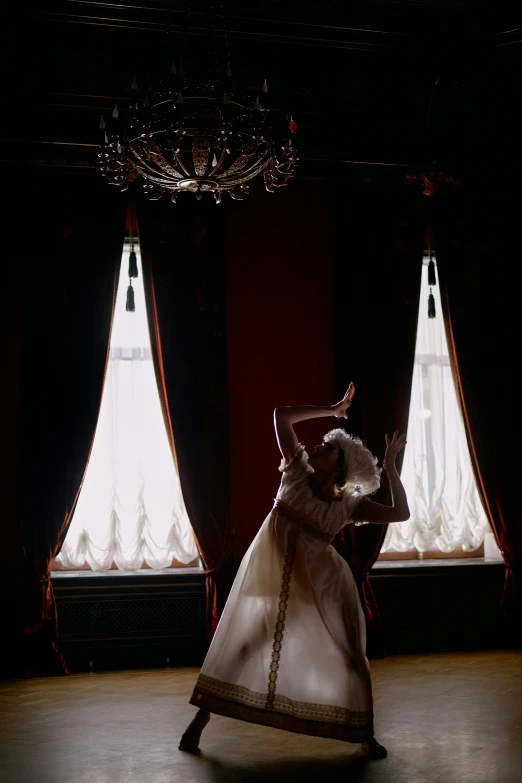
<point>362,474</point>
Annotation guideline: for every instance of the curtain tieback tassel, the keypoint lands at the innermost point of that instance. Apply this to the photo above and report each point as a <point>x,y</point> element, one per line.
<point>130,306</point>
<point>133,264</point>
<point>431,306</point>
<point>432,280</point>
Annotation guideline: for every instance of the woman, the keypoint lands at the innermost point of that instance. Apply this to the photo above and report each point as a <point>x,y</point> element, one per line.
<point>290,648</point>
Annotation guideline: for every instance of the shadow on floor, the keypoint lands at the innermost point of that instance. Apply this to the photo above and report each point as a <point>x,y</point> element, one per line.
<point>348,769</point>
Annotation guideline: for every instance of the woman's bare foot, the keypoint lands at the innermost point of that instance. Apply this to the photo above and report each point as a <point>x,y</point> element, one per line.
<point>190,738</point>
<point>373,750</point>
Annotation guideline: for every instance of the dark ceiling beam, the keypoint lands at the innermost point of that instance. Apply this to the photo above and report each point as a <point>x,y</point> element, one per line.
<point>369,18</point>
<point>299,34</point>
<point>356,39</point>
<point>382,23</point>
<point>508,37</point>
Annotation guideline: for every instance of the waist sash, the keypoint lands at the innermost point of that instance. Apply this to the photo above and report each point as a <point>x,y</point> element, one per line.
<point>305,523</point>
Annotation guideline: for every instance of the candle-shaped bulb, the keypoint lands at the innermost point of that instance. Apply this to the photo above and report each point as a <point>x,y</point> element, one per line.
<point>257,105</point>
<point>173,70</point>
<point>115,113</point>
<point>134,84</point>
<point>264,88</point>
<point>214,160</point>
<point>102,123</point>
<point>180,97</point>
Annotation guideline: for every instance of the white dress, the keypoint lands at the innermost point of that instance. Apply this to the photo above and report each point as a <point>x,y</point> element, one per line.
<point>289,650</point>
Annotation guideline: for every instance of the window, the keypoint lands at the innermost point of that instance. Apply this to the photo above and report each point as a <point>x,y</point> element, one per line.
<point>130,513</point>
<point>447,517</point>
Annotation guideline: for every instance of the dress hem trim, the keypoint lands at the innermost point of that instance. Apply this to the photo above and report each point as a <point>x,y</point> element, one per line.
<point>279,720</point>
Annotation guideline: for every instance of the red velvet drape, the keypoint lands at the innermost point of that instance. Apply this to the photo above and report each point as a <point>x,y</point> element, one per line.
<point>379,263</point>
<point>67,250</point>
<point>477,243</point>
<point>182,251</point>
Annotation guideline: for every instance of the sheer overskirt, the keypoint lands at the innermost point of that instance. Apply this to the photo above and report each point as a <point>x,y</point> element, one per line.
<point>289,650</point>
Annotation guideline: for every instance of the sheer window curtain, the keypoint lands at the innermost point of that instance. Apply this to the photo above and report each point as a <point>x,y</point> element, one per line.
<point>130,510</point>
<point>446,512</point>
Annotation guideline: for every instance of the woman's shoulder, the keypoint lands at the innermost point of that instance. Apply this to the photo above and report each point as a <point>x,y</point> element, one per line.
<point>352,504</point>
<point>296,465</point>
<point>299,456</point>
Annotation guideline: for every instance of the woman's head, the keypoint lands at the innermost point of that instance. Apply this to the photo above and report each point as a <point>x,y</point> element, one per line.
<point>329,459</point>
<point>351,464</point>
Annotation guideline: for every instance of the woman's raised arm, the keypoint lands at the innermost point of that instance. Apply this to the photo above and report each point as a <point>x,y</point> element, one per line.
<point>286,417</point>
<point>399,511</point>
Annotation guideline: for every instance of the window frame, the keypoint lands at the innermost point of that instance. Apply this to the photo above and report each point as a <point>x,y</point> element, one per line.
<point>432,554</point>
<point>56,565</point>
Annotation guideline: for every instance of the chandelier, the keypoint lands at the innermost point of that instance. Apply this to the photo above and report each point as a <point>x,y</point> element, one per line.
<point>198,135</point>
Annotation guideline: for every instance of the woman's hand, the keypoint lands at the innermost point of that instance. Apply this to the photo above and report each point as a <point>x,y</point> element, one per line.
<point>393,446</point>
<point>340,410</point>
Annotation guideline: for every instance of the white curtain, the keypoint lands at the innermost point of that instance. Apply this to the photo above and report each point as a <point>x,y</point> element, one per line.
<point>446,511</point>
<point>130,510</point>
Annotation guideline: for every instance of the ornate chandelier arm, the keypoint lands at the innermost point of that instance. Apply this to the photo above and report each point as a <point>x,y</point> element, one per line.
<point>181,164</point>
<point>220,162</point>
<point>147,170</point>
<point>162,163</point>
<point>232,182</point>
<point>200,155</point>
<point>238,166</point>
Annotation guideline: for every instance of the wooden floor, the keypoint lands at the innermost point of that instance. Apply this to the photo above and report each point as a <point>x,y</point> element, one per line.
<point>444,718</point>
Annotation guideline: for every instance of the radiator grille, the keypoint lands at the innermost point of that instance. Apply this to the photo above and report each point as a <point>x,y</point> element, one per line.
<point>168,617</point>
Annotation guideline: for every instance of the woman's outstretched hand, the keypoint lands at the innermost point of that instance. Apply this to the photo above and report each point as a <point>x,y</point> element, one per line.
<point>393,446</point>
<point>340,410</point>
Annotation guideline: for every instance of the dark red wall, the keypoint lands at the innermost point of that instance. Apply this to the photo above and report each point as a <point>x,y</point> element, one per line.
<point>280,324</point>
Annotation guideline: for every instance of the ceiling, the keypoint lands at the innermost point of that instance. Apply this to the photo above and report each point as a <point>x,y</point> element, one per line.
<point>378,88</point>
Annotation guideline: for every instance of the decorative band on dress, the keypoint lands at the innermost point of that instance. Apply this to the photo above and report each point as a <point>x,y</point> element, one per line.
<point>316,720</point>
<point>302,521</point>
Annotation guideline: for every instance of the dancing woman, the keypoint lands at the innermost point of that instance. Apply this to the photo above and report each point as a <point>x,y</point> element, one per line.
<point>290,648</point>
